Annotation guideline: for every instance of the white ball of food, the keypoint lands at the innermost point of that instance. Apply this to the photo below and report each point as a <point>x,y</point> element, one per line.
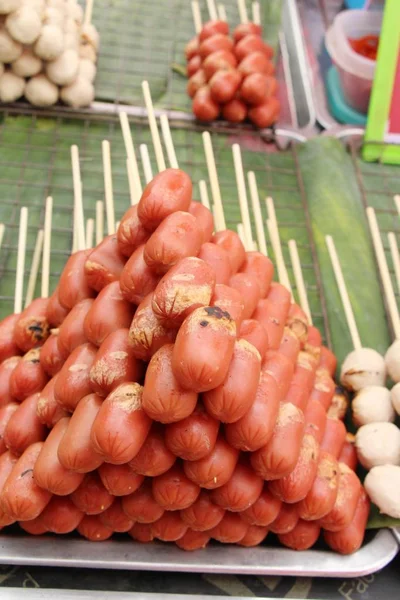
<point>79,94</point>
<point>7,6</point>
<point>87,69</point>
<point>27,65</point>
<point>37,5</point>
<point>395,397</point>
<point>382,485</point>
<point>70,26</point>
<point>10,50</point>
<point>71,40</point>
<point>372,404</point>
<point>24,25</point>
<point>361,368</point>
<point>75,11</point>
<point>64,69</point>
<point>11,87</point>
<point>40,91</point>
<point>87,51</point>
<point>378,444</point>
<point>90,35</point>
<point>53,16</point>
<point>392,360</point>
<point>50,43</point>
<point>1,69</point>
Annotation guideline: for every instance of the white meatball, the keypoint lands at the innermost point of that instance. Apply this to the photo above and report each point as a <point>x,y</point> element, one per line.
<point>87,51</point>
<point>64,70</point>
<point>392,360</point>
<point>87,69</point>
<point>70,26</point>
<point>53,16</point>
<point>372,404</point>
<point>11,87</point>
<point>50,43</point>
<point>378,444</point>
<point>24,25</point>
<point>1,69</point>
<point>90,35</point>
<point>7,6</point>
<point>40,91</point>
<point>75,11</point>
<point>27,65</point>
<point>361,368</point>
<point>79,94</point>
<point>71,41</point>
<point>395,397</point>
<point>10,50</point>
<point>382,485</point>
<point>37,5</point>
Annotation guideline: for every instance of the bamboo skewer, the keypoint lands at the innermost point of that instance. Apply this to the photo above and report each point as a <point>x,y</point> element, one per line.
<point>213,177</point>
<point>222,13</point>
<point>88,12</point>
<point>397,203</point>
<point>196,16</point>
<point>79,220</point>
<point>204,194</point>
<point>30,289</point>
<point>256,13</point>
<point>241,187</point>
<point>240,230</point>
<point>99,221</point>
<point>108,187</point>
<point>135,185</point>
<point>48,218</point>
<point>89,233</point>
<point>155,134</point>
<point>212,10</point>
<point>344,295</point>
<point>255,201</point>
<point>19,278</point>
<point>144,153</point>
<point>2,230</point>
<point>394,251</point>
<point>384,272</point>
<point>169,144</point>
<point>273,231</point>
<point>242,11</point>
<point>298,277</point>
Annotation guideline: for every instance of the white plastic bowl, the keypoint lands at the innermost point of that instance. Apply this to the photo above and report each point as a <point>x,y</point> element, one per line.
<point>355,71</point>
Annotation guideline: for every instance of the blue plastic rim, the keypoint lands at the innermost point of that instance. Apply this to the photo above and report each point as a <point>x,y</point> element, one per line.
<point>352,4</point>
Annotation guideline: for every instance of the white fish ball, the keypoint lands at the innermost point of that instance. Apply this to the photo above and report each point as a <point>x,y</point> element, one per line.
<point>87,51</point>
<point>10,50</point>
<point>64,69</point>
<point>382,485</point>
<point>40,91</point>
<point>27,65</point>
<point>50,43</point>
<point>53,16</point>
<point>75,11</point>
<point>378,444</point>
<point>395,397</point>
<point>37,5</point>
<point>79,94</point>
<point>392,360</point>
<point>7,6</point>
<point>91,35</point>
<point>361,368</point>
<point>11,87</point>
<point>24,25</point>
<point>372,404</point>
<point>87,69</point>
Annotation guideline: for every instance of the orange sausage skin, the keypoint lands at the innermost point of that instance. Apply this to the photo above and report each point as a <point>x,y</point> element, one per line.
<point>142,533</point>
<point>245,29</point>
<point>168,192</point>
<point>51,358</point>
<point>343,511</point>
<point>131,234</point>
<point>229,300</point>
<point>104,263</point>
<point>22,499</point>
<point>193,540</point>
<point>254,536</point>
<point>91,497</point>
<point>61,515</point>
<point>141,506</point>
<point>264,510</point>
<point>71,333</point>
<point>240,492</point>
<point>34,527</point>
<point>290,345</point>
<point>204,220</point>
<point>119,480</point>
<point>231,242</point>
<point>8,347</point>
<point>115,518</point>
<point>93,529</point>
<point>230,530</point>
<point>6,413</point>
<point>203,349</point>
<point>279,456</point>
<point>253,332</point>
<point>272,312</point>
<point>48,472</point>
<point>48,410</point>
<point>194,437</point>
<point>24,427</point>
<point>73,381</point>
<point>286,520</point>
<point>73,287</point>
<point>6,369</point>
<point>114,364</point>
<point>215,469</point>
<point>334,437</point>
<point>137,279</point>
<point>203,514</point>
<point>75,451</point>
<point>230,401</point>
<point>302,537</point>
<point>169,527</point>
<point>55,312</point>
<point>28,377</point>
<point>32,328</point>
<point>261,267</point>
<point>247,285</point>
<point>302,381</point>
<point>324,388</point>
<point>348,454</point>
<point>121,425</point>
<point>278,366</point>
<point>218,259</point>
<point>110,311</point>
<point>173,490</point>
<point>153,458</point>
<point>7,463</point>
<point>349,539</point>
<point>321,498</point>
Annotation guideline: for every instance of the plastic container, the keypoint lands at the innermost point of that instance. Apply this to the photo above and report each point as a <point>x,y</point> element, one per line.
<point>355,71</point>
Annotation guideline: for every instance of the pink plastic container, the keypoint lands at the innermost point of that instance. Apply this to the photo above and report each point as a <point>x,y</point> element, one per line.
<point>355,71</point>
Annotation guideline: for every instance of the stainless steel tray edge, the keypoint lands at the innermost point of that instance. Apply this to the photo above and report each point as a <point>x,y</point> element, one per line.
<point>126,555</point>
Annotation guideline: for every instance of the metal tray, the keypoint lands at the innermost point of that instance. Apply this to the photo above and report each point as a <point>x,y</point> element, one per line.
<point>128,555</point>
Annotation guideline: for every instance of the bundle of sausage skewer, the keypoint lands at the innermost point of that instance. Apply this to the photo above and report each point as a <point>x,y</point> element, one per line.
<point>232,77</point>
<point>169,389</point>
